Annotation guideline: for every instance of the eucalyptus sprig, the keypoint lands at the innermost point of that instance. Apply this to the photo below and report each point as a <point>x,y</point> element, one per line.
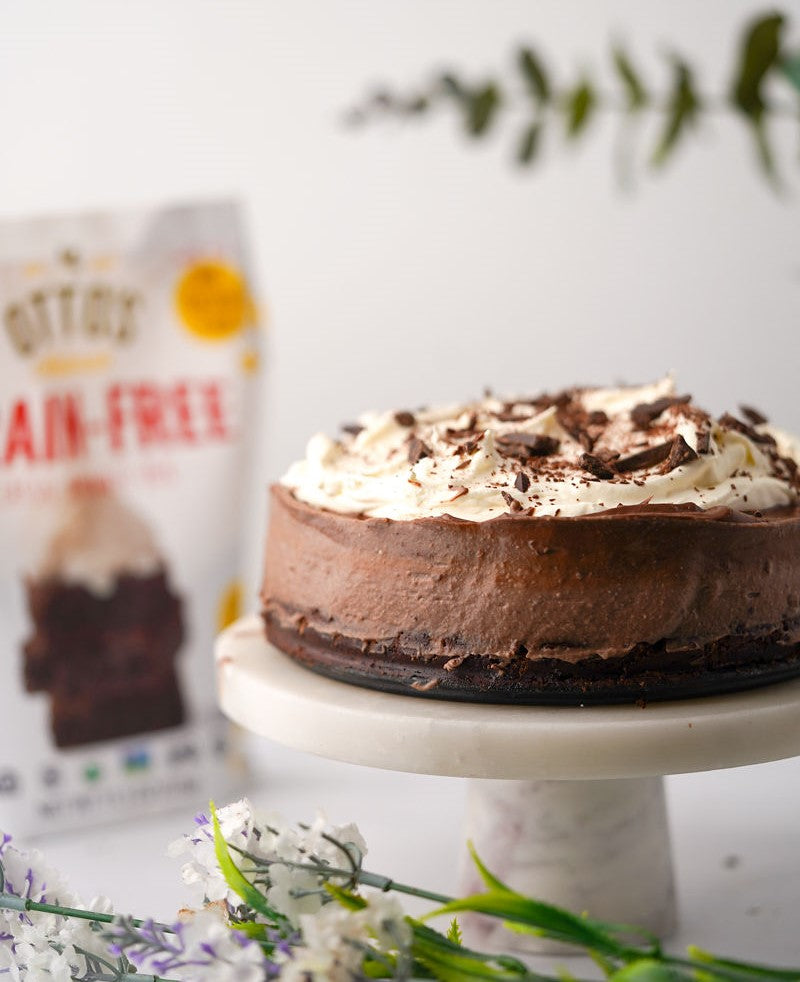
<point>530,94</point>
<point>295,903</point>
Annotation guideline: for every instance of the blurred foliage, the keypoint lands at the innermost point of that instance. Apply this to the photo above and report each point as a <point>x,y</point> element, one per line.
<point>763,64</point>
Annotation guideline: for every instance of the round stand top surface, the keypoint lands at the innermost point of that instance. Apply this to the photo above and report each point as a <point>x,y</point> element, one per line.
<point>266,692</point>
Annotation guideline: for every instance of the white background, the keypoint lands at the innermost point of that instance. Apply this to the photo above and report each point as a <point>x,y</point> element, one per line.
<point>401,265</point>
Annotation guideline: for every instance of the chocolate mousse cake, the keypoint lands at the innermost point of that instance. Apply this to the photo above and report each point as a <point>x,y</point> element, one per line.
<point>106,624</point>
<point>593,546</point>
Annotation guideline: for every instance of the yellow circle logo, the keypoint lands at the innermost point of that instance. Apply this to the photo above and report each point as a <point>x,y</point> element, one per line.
<point>212,300</point>
<point>229,608</point>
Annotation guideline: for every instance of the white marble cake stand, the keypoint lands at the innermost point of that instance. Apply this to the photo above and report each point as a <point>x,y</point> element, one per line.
<point>570,806</point>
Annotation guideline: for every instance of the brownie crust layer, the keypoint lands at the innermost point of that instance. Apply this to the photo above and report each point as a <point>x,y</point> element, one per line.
<point>644,602</point>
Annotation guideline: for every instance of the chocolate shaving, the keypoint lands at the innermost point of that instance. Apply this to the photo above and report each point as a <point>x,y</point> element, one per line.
<point>507,414</point>
<point>607,455</point>
<point>522,482</point>
<point>526,445</point>
<point>645,458</point>
<point>703,441</point>
<point>571,424</point>
<point>465,431</point>
<point>732,423</point>
<point>791,469</point>
<point>644,414</point>
<point>454,435</point>
<point>352,428</point>
<point>511,501</point>
<point>459,493</point>
<point>417,450</point>
<point>753,415</point>
<point>597,418</point>
<point>404,418</point>
<point>594,465</point>
<point>680,453</point>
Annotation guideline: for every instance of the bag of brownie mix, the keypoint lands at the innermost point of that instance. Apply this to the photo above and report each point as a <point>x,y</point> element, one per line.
<point>129,355</point>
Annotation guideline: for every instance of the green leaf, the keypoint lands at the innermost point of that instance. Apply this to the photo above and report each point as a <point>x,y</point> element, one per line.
<point>253,929</point>
<point>454,932</point>
<point>530,142</point>
<point>481,108</point>
<point>634,89</point>
<point>486,875</point>
<point>647,970</point>
<point>345,897</point>
<point>431,939</point>
<point>417,104</point>
<point>536,917</point>
<point>579,105</point>
<point>453,964</point>
<point>452,86</point>
<point>235,878</point>
<point>790,66</point>
<point>682,109</point>
<point>747,969</point>
<point>534,74</point>
<point>764,150</point>
<point>759,53</point>
<point>379,968</point>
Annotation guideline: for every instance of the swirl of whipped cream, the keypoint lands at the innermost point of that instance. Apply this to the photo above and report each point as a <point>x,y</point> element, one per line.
<point>576,453</point>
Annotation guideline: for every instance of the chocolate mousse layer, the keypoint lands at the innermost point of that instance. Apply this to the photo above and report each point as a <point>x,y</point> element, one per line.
<point>648,601</point>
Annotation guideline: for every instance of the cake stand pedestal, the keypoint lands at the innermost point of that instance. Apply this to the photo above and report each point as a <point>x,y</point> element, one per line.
<point>567,803</point>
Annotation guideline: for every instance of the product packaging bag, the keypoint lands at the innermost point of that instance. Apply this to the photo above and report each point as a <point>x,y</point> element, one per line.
<point>129,352</point>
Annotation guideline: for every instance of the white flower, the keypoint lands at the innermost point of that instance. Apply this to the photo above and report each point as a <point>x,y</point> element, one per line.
<point>335,940</point>
<point>333,946</point>
<point>27,875</point>
<point>9,966</point>
<point>237,826</point>
<point>203,949</point>
<point>386,921</point>
<point>294,892</point>
<point>277,845</point>
<point>43,946</point>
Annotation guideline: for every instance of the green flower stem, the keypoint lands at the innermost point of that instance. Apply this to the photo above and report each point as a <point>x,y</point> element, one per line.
<point>712,967</point>
<point>377,880</point>
<point>386,884</point>
<point>10,902</point>
<point>763,56</point>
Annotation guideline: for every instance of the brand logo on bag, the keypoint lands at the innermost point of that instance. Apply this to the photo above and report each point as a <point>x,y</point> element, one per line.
<point>76,308</point>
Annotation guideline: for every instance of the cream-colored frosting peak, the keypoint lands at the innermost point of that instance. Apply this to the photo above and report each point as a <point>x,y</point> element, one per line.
<point>96,539</point>
<point>462,460</point>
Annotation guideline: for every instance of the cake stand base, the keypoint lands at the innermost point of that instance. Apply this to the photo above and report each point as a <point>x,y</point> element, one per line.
<point>570,808</point>
<point>600,847</point>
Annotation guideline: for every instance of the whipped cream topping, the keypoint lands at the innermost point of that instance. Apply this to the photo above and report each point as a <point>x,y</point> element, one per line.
<point>575,453</point>
<point>96,539</point>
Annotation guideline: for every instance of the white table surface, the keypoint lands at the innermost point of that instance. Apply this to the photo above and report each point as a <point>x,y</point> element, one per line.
<point>736,843</point>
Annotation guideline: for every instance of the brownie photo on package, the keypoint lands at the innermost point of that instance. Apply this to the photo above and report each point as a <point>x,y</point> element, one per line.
<point>107,625</point>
